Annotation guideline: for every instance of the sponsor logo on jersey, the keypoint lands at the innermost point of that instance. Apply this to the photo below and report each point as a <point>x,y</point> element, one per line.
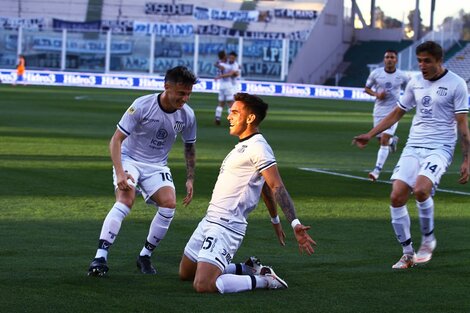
<point>131,110</point>
<point>179,126</point>
<point>161,134</point>
<point>442,91</point>
<point>388,85</point>
<point>426,101</point>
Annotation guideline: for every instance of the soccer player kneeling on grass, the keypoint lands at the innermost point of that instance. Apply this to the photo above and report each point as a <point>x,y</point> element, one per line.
<point>248,171</point>
<point>441,101</point>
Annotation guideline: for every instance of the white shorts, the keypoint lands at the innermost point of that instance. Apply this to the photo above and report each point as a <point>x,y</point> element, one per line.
<point>213,243</point>
<point>226,92</point>
<point>148,177</point>
<point>389,131</point>
<point>414,162</point>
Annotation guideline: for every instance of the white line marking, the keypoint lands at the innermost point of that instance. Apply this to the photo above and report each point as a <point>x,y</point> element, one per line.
<point>317,170</point>
<point>81,97</point>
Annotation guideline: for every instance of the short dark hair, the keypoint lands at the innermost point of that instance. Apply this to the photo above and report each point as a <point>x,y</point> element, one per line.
<point>431,47</point>
<point>221,54</point>
<point>255,105</point>
<point>392,51</point>
<point>180,75</point>
<point>233,53</point>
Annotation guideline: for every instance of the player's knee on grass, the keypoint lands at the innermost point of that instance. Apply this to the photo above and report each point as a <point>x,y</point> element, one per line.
<point>204,285</point>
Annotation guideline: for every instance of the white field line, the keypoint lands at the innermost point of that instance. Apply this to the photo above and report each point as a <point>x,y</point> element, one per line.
<point>317,170</point>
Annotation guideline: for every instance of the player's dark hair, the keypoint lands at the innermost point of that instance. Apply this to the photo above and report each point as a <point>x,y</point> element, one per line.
<point>391,51</point>
<point>431,47</point>
<point>180,75</point>
<point>254,104</point>
<point>221,54</point>
<point>233,53</point>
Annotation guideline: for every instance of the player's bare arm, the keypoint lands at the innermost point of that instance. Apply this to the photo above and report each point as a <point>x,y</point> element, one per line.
<point>462,126</point>
<point>394,116</point>
<point>283,199</point>
<point>378,95</point>
<point>268,198</point>
<point>190,157</point>
<point>115,151</point>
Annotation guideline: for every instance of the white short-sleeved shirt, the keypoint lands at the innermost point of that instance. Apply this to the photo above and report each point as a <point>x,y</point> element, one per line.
<point>229,82</point>
<point>436,102</point>
<point>391,83</point>
<point>238,187</point>
<point>151,131</point>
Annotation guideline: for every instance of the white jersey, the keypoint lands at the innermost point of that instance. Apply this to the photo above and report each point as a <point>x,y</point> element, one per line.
<point>151,131</point>
<point>380,80</point>
<point>229,82</point>
<point>437,102</point>
<point>238,187</point>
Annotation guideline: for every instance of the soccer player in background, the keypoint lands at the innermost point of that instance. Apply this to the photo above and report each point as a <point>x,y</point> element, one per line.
<point>20,69</point>
<point>248,171</point>
<point>139,151</point>
<point>385,83</point>
<point>229,75</point>
<point>441,101</point>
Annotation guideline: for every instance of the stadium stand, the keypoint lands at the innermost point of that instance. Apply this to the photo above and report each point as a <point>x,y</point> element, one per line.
<point>73,10</point>
<point>359,56</point>
<point>460,63</point>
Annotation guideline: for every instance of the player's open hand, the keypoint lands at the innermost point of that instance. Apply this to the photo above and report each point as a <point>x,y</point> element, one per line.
<point>464,173</point>
<point>281,236</point>
<point>189,192</point>
<point>306,243</point>
<point>361,141</point>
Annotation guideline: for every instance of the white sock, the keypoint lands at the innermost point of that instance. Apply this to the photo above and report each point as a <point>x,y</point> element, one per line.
<point>229,283</point>
<point>426,218</point>
<point>237,269</point>
<point>382,155</point>
<point>158,229</point>
<point>110,229</point>
<point>218,112</point>
<point>401,225</point>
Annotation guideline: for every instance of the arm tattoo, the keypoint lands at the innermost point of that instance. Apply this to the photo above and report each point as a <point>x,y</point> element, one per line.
<point>285,202</point>
<point>190,156</point>
<point>465,141</point>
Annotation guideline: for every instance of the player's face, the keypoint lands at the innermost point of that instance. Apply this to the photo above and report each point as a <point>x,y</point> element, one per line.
<point>430,67</point>
<point>239,119</point>
<point>390,60</point>
<point>178,94</point>
<point>231,59</point>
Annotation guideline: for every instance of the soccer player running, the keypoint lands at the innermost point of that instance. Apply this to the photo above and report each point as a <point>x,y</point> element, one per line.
<point>247,171</point>
<point>384,83</point>
<point>228,76</point>
<point>20,70</point>
<point>139,151</point>
<point>441,101</point>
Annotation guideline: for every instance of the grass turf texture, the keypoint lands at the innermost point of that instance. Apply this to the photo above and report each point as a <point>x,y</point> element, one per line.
<point>56,188</point>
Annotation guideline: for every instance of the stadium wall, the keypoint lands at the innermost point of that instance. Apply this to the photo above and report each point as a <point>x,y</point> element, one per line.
<point>156,82</point>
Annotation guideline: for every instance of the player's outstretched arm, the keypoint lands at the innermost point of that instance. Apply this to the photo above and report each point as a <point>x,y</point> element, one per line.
<point>394,116</point>
<point>268,198</point>
<point>274,181</point>
<point>115,151</point>
<point>462,126</point>
<point>190,157</point>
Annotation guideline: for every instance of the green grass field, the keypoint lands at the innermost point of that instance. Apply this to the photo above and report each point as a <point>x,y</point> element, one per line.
<point>56,188</point>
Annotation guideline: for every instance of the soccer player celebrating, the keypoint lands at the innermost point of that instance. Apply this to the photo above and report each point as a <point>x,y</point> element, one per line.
<point>384,83</point>
<point>247,171</point>
<point>441,101</point>
<point>229,75</point>
<point>139,151</point>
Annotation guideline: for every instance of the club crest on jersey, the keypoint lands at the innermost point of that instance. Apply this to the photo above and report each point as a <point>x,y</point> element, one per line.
<point>179,126</point>
<point>131,110</point>
<point>442,91</point>
<point>242,149</point>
